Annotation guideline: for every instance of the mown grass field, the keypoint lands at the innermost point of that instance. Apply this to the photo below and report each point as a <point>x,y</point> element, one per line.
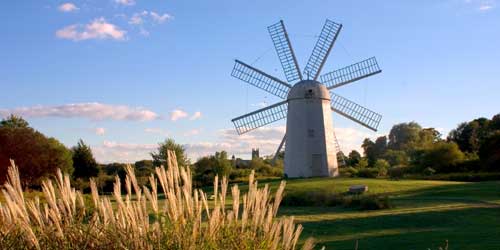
<point>425,214</point>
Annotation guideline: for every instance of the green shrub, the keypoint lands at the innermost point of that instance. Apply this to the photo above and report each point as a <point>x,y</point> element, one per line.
<point>348,172</point>
<point>429,171</point>
<point>382,166</point>
<point>363,163</point>
<point>397,172</point>
<point>375,203</point>
<point>368,173</point>
<point>332,199</point>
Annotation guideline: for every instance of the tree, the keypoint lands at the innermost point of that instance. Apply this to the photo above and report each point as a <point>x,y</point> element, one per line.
<point>160,156</point>
<point>382,166</point>
<point>35,155</point>
<point>428,136</point>
<point>469,135</point>
<point>404,136</point>
<point>363,163</point>
<point>396,157</point>
<point>354,158</point>
<point>341,158</point>
<point>144,168</point>
<point>489,152</point>
<point>441,156</point>
<point>495,123</point>
<point>14,121</point>
<point>206,168</point>
<point>83,161</point>
<point>374,150</point>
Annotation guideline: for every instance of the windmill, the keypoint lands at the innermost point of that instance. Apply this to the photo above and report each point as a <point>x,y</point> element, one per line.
<point>307,102</point>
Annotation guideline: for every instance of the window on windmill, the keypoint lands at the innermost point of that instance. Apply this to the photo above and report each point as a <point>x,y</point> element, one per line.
<point>310,132</point>
<point>309,93</point>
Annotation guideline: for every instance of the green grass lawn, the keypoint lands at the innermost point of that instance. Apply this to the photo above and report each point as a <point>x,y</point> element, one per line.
<point>426,213</point>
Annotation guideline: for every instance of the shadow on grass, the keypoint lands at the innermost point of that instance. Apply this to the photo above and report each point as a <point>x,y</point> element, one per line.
<point>470,228</point>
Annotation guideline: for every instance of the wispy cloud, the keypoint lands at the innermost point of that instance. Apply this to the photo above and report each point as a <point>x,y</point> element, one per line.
<point>177,114</point>
<point>67,7</point>
<point>267,140</point>
<point>111,151</point>
<point>160,18</point>
<point>142,19</point>
<point>100,131</point>
<point>125,2</point>
<point>93,111</point>
<point>481,5</point>
<point>195,116</point>
<point>192,132</point>
<point>156,131</point>
<point>97,29</point>
<point>485,7</point>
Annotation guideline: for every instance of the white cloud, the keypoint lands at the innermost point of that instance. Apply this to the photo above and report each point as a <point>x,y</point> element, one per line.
<point>178,114</point>
<point>93,111</point>
<point>267,140</point>
<point>160,18</point>
<point>156,131</point>
<point>136,20</point>
<point>97,29</point>
<point>351,139</point>
<point>195,116</point>
<point>192,132</point>
<point>481,5</point>
<point>68,7</point>
<point>100,131</point>
<point>485,7</point>
<point>111,151</point>
<point>125,2</point>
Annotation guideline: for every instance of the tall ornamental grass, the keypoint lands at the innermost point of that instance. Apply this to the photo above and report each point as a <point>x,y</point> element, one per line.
<point>139,219</point>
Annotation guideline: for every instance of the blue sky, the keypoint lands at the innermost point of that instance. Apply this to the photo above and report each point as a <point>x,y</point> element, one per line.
<point>122,74</point>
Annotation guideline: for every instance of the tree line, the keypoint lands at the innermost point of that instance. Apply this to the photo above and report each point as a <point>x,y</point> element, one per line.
<point>409,148</point>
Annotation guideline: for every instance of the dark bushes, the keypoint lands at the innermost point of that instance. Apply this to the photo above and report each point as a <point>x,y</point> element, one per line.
<point>331,199</point>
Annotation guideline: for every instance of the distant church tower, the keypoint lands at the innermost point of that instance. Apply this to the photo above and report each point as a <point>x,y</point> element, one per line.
<point>255,153</point>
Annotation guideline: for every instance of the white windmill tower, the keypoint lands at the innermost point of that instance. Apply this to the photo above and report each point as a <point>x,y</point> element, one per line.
<point>310,140</point>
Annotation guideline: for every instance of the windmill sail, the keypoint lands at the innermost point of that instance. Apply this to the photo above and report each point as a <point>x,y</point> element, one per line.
<point>322,48</point>
<point>351,73</point>
<point>355,112</point>
<point>281,148</point>
<point>260,117</point>
<point>285,51</point>
<point>260,79</point>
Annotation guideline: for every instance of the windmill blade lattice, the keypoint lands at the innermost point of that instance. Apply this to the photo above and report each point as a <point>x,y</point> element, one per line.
<point>322,49</point>
<point>260,117</point>
<point>260,79</point>
<point>355,112</point>
<point>285,51</point>
<point>351,73</point>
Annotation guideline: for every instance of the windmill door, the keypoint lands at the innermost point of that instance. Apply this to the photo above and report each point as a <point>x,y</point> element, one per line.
<point>317,161</point>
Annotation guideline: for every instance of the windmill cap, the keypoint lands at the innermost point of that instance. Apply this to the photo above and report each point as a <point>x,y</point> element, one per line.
<point>309,89</point>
